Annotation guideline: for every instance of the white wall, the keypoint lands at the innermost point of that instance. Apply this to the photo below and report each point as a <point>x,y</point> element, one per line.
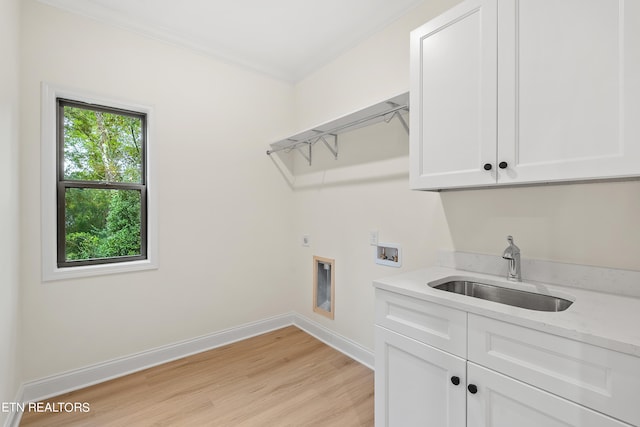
<point>9,242</point>
<point>338,218</point>
<point>593,224</point>
<point>223,211</point>
<point>371,72</point>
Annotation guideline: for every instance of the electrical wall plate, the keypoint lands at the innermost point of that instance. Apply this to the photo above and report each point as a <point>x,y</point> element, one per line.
<point>373,238</point>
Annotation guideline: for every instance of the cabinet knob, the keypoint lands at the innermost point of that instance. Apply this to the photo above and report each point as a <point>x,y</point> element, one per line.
<point>473,389</point>
<point>503,165</point>
<point>487,166</point>
<point>455,380</point>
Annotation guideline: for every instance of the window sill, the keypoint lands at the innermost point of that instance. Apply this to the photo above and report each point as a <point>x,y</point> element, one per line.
<point>97,270</point>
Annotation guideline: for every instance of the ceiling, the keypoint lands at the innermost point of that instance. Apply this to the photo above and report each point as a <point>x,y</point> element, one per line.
<point>286,39</point>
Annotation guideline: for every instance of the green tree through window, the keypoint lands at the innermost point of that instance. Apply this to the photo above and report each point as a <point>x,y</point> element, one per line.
<point>101,184</point>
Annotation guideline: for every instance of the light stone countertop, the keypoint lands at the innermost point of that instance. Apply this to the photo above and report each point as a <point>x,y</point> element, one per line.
<point>602,319</point>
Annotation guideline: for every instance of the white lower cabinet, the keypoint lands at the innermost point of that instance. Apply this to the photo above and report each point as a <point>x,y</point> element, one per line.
<point>414,383</point>
<point>524,382</point>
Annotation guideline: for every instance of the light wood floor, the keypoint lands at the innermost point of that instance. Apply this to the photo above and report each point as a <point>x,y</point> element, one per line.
<point>283,378</point>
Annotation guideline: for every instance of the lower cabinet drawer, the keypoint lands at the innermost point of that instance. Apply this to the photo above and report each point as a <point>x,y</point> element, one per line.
<point>439,326</point>
<point>604,380</point>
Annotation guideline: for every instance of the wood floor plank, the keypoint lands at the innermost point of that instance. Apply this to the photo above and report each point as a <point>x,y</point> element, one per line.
<point>282,378</point>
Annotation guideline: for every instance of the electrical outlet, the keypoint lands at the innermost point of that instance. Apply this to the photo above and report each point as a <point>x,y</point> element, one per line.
<point>306,241</point>
<point>373,238</point>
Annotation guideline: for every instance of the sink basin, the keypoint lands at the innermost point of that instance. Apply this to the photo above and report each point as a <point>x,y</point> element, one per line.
<point>515,297</point>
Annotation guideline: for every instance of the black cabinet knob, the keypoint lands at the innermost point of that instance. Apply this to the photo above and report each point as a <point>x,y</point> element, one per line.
<point>487,166</point>
<point>473,389</point>
<point>503,165</point>
<point>455,380</point>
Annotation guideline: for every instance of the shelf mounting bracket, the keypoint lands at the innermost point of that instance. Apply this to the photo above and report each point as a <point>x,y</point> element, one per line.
<point>402,120</point>
<point>306,156</point>
<point>334,149</point>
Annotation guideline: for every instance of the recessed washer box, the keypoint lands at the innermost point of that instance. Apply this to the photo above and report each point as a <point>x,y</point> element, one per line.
<point>389,254</point>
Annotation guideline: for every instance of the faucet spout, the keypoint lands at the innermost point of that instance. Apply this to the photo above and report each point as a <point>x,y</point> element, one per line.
<point>512,255</point>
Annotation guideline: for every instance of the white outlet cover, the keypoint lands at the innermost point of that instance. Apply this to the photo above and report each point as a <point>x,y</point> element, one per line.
<point>373,238</point>
<point>306,240</point>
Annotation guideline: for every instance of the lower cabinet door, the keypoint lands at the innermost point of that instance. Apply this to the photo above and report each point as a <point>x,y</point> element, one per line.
<point>416,384</point>
<point>501,401</point>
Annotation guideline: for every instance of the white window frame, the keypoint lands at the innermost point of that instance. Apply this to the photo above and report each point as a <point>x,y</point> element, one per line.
<point>48,152</point>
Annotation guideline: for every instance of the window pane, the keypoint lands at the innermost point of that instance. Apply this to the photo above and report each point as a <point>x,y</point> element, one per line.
<point>102,146</point>
<point>101,223</point>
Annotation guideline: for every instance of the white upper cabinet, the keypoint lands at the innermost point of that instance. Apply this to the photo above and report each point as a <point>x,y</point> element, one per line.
<point>453,97</point>
<point>526,91</point>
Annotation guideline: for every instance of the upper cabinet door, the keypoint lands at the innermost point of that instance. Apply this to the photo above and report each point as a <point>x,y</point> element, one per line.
<point>569,89</point>
<point>453,98</point>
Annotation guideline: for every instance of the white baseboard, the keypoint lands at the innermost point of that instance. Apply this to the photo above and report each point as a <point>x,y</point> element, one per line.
<point>79,378</point>
<point>340,343</point>
<point>13,420</point>
<point>65,382</point>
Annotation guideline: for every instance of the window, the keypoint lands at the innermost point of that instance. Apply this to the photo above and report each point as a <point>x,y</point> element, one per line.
<point>98,210</point>
<point>101,190</point>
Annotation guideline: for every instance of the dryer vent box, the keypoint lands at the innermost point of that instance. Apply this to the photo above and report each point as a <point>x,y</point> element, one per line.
<point>324,286</point>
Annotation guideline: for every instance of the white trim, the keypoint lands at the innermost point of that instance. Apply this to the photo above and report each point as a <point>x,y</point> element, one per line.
<point>110,17</point>
<point>58,384</point>
<point>342,344</point>
<point>55,385</point>
<point>13,420</point>
<point>50,269</point>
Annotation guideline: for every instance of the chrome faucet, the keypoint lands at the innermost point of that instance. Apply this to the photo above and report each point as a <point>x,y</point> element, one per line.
<point>512,255</point>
